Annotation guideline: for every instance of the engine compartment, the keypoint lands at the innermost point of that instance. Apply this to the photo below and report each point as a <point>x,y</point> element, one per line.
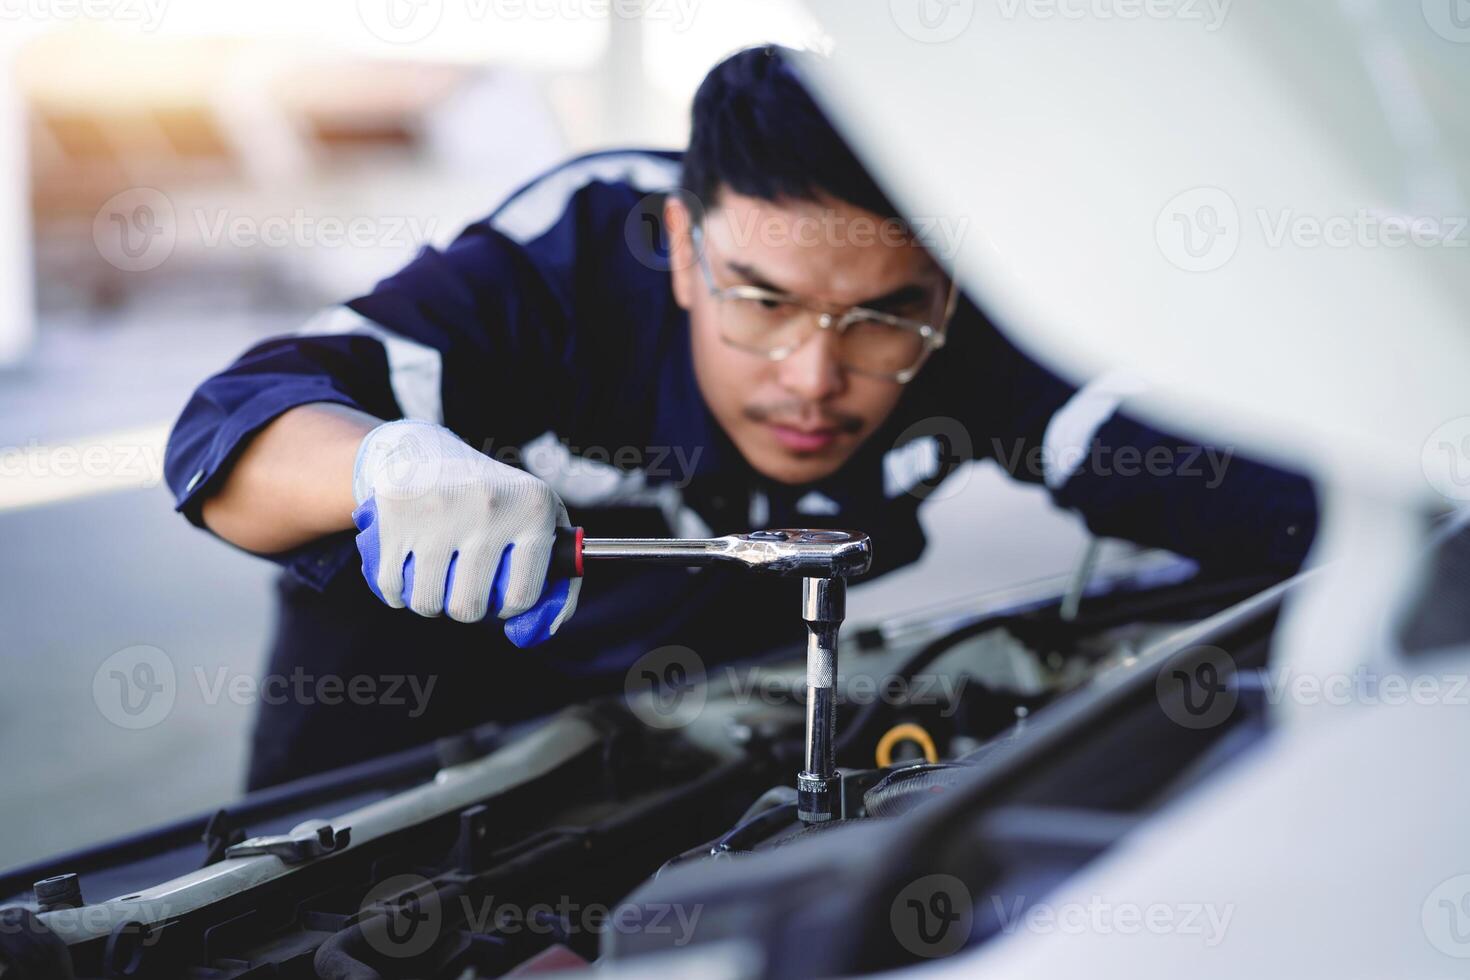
<point>1028,742</point>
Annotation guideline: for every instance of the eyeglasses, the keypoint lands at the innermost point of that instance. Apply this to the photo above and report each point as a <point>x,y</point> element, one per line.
<point>774,325</point>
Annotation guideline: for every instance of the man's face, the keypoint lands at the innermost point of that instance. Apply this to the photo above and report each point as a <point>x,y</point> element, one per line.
<point>800,418</point>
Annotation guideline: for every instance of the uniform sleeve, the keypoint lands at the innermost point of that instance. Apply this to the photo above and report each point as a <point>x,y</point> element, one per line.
<point>1127,479</point>
<point>1208,502</point>
<point>476,331</point>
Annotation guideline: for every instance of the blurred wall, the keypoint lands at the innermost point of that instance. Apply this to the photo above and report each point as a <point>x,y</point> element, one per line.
<point>17,304</point>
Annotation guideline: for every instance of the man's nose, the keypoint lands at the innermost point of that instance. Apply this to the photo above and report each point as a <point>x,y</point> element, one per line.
<point>812,371</point>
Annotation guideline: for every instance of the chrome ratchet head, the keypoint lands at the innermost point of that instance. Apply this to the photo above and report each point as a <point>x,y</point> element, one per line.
<point>817,553</point>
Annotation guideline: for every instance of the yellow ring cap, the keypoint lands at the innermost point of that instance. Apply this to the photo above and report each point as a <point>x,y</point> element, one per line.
<point>907,732</point>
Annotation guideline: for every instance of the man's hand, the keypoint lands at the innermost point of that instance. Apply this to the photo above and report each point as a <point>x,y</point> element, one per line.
<point>445,529</point>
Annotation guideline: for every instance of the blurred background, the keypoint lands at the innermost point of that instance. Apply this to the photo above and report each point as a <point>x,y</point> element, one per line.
<point>180,178</point>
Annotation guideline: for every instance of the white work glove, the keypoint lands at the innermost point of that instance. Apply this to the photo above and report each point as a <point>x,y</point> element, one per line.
<point>445,529</point>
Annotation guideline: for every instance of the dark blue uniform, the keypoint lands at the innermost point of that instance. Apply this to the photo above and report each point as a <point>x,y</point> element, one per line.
<point>547,336</point>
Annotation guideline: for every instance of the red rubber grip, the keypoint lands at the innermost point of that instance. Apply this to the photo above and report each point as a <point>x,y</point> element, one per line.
<point>566,554</point>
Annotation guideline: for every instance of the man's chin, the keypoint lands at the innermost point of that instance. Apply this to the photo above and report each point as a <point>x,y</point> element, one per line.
<point>792,468</point>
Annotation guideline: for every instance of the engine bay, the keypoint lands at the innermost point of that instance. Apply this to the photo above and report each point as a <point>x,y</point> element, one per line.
<point>991,749</point>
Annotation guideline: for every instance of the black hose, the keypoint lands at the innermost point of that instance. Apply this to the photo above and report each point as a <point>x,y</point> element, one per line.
<point>29,950</point>
<point>862,726</point>
<point>369,950</point>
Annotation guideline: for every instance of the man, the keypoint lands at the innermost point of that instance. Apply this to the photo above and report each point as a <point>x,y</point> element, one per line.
<point>769,347</point>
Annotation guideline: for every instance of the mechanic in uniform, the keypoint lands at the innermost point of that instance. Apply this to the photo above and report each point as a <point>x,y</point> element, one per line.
<point>744,335</point>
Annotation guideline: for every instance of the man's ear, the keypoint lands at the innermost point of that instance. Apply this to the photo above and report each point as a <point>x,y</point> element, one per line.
<point>683,262</point>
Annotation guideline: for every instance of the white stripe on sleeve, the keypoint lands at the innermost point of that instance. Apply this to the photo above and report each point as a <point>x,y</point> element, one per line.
<point>415,370</point>
<point>531,213</point>
<point>1070,432</point>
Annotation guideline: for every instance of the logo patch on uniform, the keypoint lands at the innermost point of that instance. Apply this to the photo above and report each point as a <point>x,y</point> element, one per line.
<point>817,503</point>
<point>909,465</point>
<point>760,509</point>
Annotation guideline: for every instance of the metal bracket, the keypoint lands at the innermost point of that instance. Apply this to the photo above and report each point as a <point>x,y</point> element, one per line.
<point>294,848</point>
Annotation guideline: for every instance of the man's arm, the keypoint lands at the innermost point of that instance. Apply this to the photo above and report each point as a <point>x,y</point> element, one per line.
<point>267,445</point>
<point>292,483</point>
<point>287,451</point>
<point>1124,478</point>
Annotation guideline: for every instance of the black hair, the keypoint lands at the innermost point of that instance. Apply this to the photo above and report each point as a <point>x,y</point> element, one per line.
<point>756,130</point>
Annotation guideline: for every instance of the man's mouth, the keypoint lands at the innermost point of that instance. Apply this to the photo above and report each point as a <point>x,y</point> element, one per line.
<point>800,440</point>
<point>801,430</point>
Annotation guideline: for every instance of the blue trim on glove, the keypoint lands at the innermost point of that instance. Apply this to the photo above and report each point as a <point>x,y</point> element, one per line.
<point>449,582</point>
<point>407,593</point>
<point>365,517</point>
<point>534,625</point>
<point>526,630</point>
<point>501,582</point>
